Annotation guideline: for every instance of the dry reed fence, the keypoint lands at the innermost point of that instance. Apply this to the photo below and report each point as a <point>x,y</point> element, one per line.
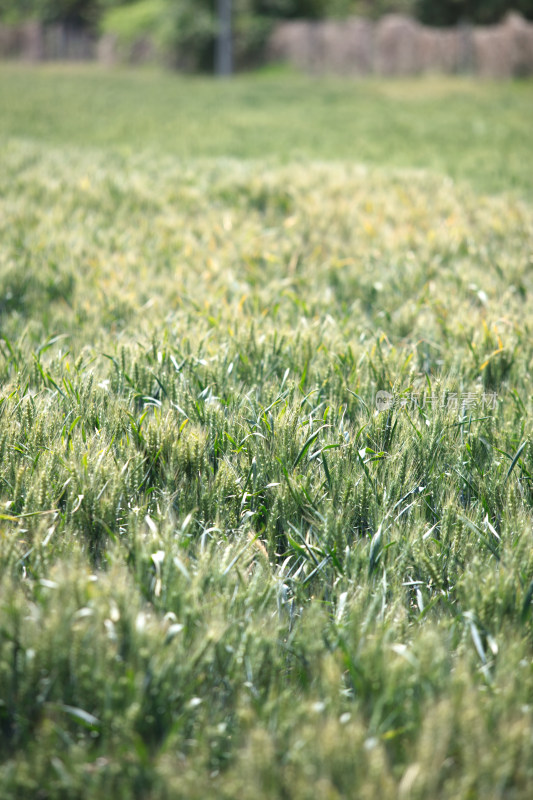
<point>396,45</point>
<point>32,41</point>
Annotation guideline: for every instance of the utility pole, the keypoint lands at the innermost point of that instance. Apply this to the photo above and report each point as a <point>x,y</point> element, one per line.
<point>224,46</point>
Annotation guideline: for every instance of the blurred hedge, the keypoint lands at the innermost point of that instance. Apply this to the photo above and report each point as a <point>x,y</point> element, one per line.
<point>89,13</point>
<point>185,30</point>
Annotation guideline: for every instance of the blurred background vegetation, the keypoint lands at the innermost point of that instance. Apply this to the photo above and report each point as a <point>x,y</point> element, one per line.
<point>185,30</point>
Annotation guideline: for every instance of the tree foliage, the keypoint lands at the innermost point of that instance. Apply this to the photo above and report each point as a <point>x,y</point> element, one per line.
<point>452,12</point>
<point>252,14</point>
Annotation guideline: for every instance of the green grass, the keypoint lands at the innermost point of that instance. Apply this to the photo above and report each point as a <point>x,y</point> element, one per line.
<point>224,571</point>
<point>469,130</point>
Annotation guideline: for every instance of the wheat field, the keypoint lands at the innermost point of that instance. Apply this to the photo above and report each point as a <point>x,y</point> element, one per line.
<point>266,456</point>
